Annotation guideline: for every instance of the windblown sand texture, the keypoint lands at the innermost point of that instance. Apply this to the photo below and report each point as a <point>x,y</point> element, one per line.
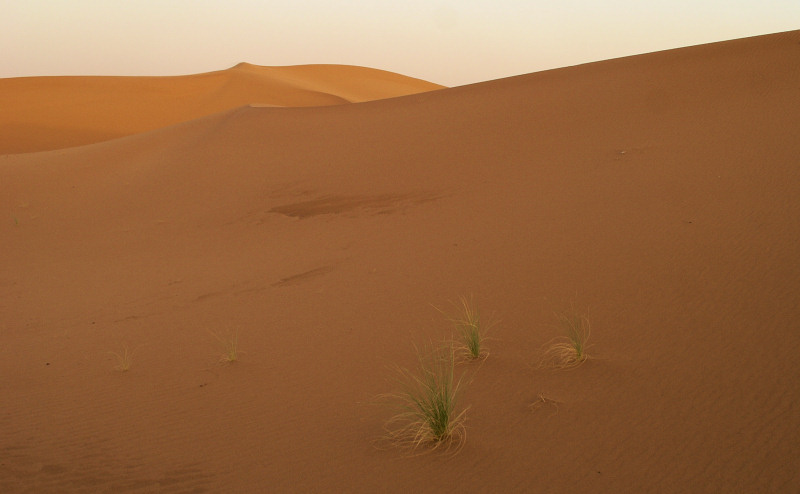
<point>662,191</point>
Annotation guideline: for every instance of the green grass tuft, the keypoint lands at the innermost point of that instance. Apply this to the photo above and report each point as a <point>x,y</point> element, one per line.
<point>428,402</point>
<point>569,350</point>
<point>470,329</point>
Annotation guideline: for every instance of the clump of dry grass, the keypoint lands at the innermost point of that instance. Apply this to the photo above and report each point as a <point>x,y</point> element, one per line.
<point>428,402</point>
<point>230,345</point>
<point>569,350</point>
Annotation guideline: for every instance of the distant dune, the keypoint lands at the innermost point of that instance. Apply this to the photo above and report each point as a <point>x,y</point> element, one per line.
<point>45,113</point>
<point>660,193</point>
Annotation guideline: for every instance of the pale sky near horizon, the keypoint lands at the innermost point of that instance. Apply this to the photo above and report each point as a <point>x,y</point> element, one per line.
<point>451,42</point>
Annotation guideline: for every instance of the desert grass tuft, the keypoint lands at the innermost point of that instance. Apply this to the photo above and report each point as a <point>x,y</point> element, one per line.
<point>471,330</point>
<point>429,403</point>
<point>569,350</point>
<point>124,359</point>
<point>230,346</point>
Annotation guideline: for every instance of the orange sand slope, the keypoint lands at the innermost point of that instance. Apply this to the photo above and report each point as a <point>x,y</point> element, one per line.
<point>41,113</point>
<point>662,191</point>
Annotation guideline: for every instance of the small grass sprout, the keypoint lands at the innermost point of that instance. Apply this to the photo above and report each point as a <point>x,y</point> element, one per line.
<point>124,359</point>
<point>569,350</point>
<point>230,346</point>
<point>428,402</point>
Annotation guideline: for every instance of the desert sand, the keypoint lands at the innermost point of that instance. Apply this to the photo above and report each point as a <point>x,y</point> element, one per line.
<point>660,191</point>
<point>45,113</point>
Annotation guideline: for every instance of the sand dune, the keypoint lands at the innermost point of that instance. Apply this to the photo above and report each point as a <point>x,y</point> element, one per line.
<point>659,190</point>
<point>45,113</point>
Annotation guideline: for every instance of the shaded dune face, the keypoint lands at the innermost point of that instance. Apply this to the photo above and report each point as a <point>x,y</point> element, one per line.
<point>657,192</point>
<point>45,113</point>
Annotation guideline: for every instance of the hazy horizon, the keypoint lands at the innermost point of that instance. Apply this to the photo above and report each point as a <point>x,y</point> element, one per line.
<point>450,43</point>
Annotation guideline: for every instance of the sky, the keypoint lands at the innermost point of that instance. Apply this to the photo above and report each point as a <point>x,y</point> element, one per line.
<point>447,42</point>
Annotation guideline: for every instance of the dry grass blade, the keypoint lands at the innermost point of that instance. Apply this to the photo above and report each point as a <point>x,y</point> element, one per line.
<point>428,402</point>
<point>542,402</point>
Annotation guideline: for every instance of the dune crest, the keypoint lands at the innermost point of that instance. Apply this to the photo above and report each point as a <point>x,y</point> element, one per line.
<point>45,113</point>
